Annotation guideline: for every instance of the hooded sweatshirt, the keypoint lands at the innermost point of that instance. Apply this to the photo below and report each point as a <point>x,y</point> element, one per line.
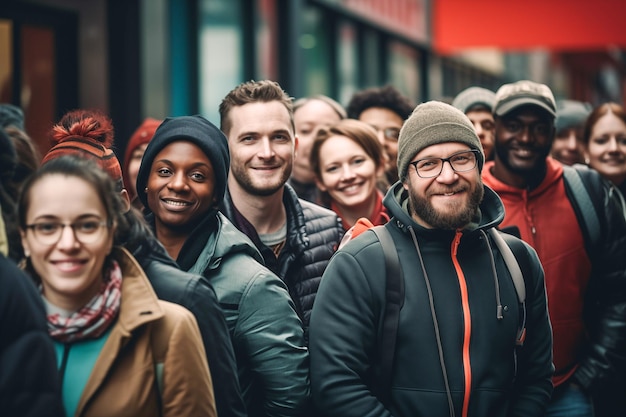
<point>544,217</point>
<point>454,281</point>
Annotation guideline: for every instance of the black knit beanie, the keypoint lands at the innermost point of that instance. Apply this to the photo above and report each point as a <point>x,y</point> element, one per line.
<point>431,123</point>
<point>197,130</point>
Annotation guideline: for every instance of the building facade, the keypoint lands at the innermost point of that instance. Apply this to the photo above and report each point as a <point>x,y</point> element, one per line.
<point>159,58</point>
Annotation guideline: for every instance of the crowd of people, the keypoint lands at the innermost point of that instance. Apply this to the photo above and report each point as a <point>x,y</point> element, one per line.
<point>244,269</point>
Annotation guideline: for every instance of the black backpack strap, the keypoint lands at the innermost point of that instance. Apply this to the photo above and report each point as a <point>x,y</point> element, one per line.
<point>580,196</point>
<point>394,298</point>
<point>517,261</point>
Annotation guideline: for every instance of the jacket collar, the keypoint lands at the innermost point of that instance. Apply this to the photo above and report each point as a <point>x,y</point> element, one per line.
<point>139,306</point>
<point>297,237</point>
<point>490,213</point>
<point>139,301</point>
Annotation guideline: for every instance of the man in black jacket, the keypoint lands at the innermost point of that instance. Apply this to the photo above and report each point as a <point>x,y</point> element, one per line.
<point>295,237</point>
<point>459,323</point>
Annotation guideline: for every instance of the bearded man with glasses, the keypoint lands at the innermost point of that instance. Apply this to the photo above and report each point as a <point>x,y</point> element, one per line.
<point>454,353</point>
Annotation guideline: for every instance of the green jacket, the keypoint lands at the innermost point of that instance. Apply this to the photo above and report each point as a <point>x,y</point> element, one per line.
<point>267,335</point>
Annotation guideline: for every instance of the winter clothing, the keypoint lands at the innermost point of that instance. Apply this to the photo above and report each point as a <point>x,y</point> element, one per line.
<point>29,381</point>
<point>377,217</point>
<point>313,235</point>
<point>93,319</point>
<point>152,362</point>
<point>197,130</point>
<point>467,276</point>
<point>266,333</point>
<point>89,135</point>
<point>474,97</point>
<point>522,93</point>
<point>586,285</point>
<point>308,192</point>
<point>431,123</point>
<point>194,292</point>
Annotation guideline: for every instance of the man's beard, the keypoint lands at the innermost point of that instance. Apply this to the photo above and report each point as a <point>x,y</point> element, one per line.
<point>462,216</point>
<point>247,183</point>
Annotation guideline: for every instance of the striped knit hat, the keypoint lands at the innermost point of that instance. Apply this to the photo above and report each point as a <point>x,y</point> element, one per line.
<point>88,134</point>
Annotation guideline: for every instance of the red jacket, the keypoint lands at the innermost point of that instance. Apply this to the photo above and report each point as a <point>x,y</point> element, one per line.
<point>547,221</point>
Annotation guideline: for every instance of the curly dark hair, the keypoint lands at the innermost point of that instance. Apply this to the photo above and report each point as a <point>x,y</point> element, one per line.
<point>387,97</point>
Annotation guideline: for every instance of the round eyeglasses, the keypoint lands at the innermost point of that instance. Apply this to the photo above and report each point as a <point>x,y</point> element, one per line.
<point>85,231</point>
<point>460,162</point>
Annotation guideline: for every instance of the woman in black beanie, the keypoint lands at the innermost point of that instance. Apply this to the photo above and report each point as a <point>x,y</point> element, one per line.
<point>181,180</point>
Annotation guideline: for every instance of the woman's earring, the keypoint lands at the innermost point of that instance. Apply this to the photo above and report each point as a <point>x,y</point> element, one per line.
<point>145,190</point>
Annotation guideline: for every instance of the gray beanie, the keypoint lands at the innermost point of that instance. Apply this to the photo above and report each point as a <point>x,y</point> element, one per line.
<point>472,97</point>
<point>431,123</point>
<point>571,114</point>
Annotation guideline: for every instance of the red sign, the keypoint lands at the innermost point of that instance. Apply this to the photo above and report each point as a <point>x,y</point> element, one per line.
<point>552,24</point>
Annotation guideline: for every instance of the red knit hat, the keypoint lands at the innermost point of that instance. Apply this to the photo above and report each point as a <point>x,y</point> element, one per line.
<point>86,133</point>
<point>142,135</point>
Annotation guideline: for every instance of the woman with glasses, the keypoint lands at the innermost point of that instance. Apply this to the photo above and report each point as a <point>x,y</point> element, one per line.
<point>348,159</point>
<point>120,351</point>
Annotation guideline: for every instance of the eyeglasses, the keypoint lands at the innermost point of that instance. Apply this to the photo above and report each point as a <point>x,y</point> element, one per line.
<point>391,133</point>
<point>85,231</point>
<point>460,162</point>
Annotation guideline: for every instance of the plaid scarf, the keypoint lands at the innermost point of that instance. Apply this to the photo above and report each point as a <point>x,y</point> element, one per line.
<point>95,317</point>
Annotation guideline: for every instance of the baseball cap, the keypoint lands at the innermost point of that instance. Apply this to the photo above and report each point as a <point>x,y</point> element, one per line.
<point>522,93</point>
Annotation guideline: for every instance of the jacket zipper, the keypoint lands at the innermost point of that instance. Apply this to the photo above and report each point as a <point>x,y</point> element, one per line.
<point>467,324</point>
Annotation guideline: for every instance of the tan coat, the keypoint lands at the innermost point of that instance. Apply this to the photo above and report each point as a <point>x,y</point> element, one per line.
<point>151,337</point>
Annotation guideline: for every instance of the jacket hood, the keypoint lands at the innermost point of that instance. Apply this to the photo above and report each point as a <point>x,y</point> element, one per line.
<point>490,212</point>
<point>212,240</point>
<point>554,173</point>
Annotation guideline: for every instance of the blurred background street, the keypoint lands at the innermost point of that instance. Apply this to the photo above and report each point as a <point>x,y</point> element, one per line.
<point>158,58</point>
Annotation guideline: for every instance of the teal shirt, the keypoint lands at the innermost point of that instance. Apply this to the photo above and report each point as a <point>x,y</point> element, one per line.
<point>80,358</point>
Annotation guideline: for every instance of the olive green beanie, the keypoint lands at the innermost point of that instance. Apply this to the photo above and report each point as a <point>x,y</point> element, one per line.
<point>431,123</point>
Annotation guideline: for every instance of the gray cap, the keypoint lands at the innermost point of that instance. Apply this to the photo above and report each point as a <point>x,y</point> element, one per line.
<point>474,96</point>
<point>511,96</point>
<point>571,114</point>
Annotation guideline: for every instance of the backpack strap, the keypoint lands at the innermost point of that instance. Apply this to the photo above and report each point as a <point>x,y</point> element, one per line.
<point>394,298</point>
<point>581,198</point>
<point>511,262</point>
<point>508,244</point>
